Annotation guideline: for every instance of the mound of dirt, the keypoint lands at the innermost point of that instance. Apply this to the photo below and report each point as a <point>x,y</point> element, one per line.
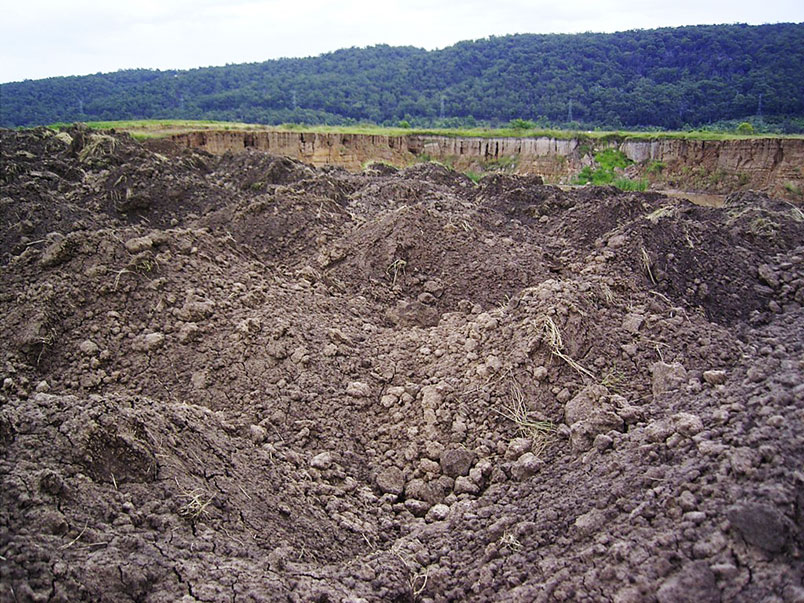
<point>244,378</point>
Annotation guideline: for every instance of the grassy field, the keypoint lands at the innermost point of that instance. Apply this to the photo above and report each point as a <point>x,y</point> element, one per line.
<point>157,128</point>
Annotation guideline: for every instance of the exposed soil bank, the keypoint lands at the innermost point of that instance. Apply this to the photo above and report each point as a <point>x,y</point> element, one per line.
<point>773,165</point>
<point>243,378</point>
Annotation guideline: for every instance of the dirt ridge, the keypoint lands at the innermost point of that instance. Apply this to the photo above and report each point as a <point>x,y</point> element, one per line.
<point>245,378</point>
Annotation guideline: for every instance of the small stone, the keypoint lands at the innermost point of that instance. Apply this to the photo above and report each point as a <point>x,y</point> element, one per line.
<point>478,475</point>
<point>148,342</point>
<point>767,274</point>
<point>437,512</point>
<point>667,377</point>
<point>659,431</point>
<point>517,447</point>
<point>139,244</point>
<point>358,389</point>
<point>433,287</point>
<point>602,442</point>
<point>755,374</point>
<point>632,323</point>
<point>258,433</point>
<point>432,492</point>
<point>715,377</point>
<point>465,485</point>
<point>429,466</point>
<point>42,387</point>
<point>616,241</point>
<point>687,501</point>
<point>153,340</point>
<point>589,522</point>
<point>695,517</point>
<point>433,449</point>
<point>88,347</point>
<point>418,508</point>
<point>540,373</point>
<point>585,404</point>
<point>188,332</point>
<point>743,460</point>
<point>56,253</point>
<point>322,460</point>
<point>391,481</point>
<point>527,466</point>
<point>456,461</point>
<point>687,424</point>
<point>431,398</point>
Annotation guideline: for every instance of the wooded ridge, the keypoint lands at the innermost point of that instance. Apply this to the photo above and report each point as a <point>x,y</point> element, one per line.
<point>666,78</point>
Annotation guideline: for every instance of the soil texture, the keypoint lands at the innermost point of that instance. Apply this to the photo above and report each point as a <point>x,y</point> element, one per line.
<point>243,378</point>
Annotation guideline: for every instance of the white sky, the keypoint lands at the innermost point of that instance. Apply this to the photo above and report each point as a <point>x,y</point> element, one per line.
<point>44,38</point>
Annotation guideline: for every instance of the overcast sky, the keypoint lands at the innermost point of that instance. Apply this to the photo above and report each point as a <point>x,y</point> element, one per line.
<point>44,38</point>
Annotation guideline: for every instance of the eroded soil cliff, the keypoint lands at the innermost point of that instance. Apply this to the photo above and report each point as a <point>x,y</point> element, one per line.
<point>244,378</point>
<point>772,165</point>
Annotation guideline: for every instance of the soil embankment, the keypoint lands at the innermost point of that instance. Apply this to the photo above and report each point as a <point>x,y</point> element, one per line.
<point>773,165</point>
<point>241,377</point>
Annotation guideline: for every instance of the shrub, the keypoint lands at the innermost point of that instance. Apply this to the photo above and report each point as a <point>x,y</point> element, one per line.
<point>521,124</point>
<point>745,128</point>
<point>626,184</point>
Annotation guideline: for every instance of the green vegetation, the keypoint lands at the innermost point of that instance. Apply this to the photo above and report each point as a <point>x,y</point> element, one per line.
<point>745,128</point>
<point>793,189</point>
<point>156,128</point>
<point>608,162</point>
<point>672,78</point>
<point>627,184</point>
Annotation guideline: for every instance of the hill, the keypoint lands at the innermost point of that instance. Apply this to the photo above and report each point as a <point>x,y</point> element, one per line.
<point>665,78</point>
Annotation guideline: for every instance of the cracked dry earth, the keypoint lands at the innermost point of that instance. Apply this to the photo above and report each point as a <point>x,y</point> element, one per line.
<point>241,378</point>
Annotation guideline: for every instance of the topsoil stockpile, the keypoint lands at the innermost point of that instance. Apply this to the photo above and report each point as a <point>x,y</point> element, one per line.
<point>242,378</point>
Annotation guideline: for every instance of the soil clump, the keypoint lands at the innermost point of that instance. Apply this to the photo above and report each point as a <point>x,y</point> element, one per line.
<point>244,378</point>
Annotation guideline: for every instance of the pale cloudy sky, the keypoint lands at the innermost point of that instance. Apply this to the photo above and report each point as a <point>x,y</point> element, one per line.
<point>44,38</point>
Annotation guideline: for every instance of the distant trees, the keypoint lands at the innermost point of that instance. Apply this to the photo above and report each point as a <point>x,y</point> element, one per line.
<point>668,78</point>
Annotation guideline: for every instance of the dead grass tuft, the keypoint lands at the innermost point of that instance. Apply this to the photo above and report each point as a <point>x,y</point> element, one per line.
<point>517,411</point>
<point>196,505</point>
<point>552,336</point>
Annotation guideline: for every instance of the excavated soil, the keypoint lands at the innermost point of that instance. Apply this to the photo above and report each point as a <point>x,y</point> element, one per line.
<point>241,378</point>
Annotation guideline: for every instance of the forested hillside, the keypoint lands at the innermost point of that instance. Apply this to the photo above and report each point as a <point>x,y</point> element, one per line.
<point>669,78</point>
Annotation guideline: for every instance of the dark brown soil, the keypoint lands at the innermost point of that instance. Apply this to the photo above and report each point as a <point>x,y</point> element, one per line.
<point>243,378</point>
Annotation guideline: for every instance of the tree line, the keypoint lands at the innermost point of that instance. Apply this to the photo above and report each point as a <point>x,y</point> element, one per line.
<point>668,78</point>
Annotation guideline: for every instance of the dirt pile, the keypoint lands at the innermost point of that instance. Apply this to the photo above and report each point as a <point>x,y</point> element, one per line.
<point>244,378</point>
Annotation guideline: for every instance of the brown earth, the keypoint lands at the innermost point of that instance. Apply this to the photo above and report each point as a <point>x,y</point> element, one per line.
<point>245,378</point>
<point>772,165</point>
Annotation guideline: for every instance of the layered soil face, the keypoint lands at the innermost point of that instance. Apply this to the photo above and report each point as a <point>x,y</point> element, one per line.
<point>772,165</point>
<point>241,377</point>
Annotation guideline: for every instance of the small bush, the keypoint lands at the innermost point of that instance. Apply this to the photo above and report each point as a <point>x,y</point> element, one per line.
<point>521,124</point>
<point>626,184</point>
<point>745,128</point>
